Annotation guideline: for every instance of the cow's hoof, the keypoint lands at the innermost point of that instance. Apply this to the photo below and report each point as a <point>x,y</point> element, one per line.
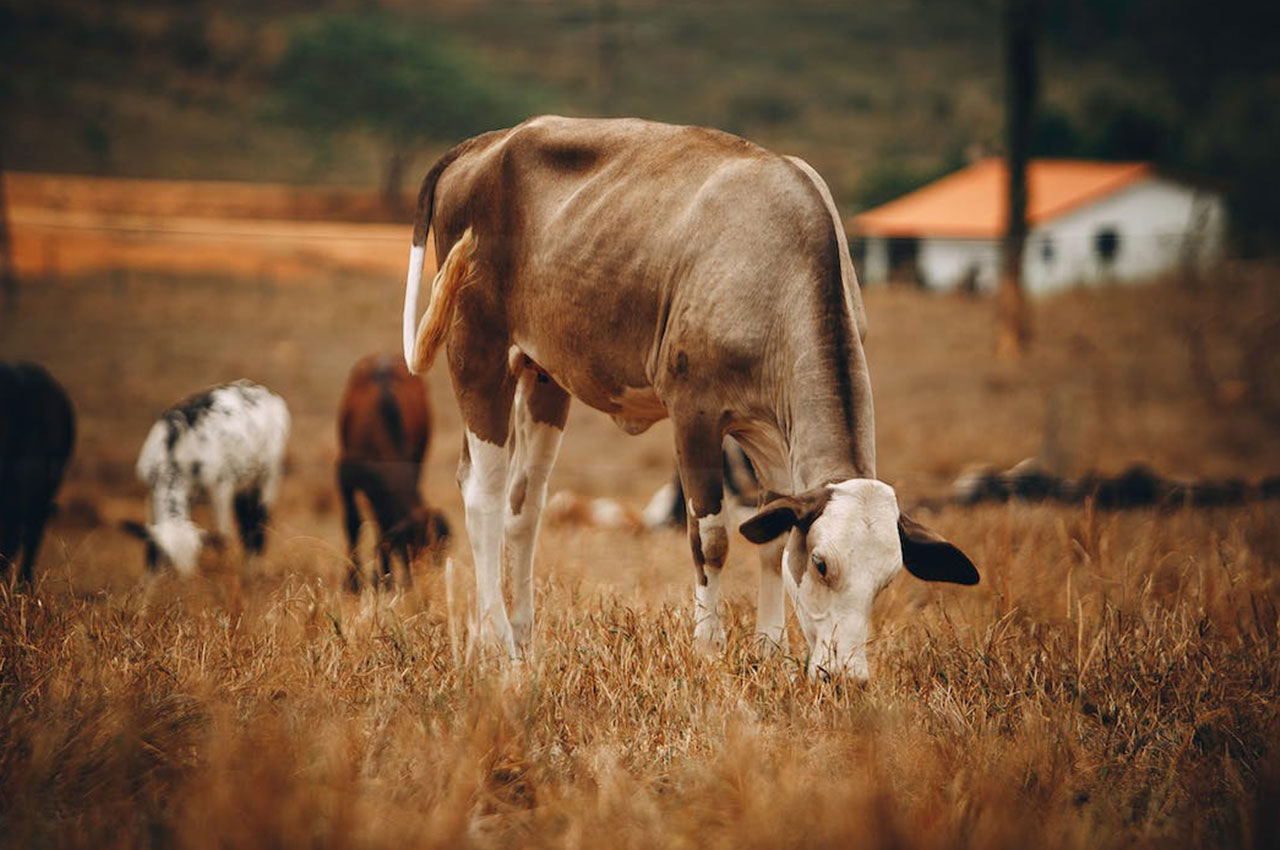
<point>708,638</point>
<point>771,645</point>
<point>497,638</point>
<point>522,634</point>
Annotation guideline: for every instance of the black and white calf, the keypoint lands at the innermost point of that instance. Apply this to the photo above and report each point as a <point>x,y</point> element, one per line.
<point>226,443</point>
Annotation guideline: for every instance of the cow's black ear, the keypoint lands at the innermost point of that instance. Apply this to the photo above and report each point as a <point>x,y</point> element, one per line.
<point>775,518</point>
<point>928,556</point>
<point>782,513</point>
<point>136,529</point>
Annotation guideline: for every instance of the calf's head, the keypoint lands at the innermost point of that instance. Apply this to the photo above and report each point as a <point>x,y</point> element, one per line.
<point>424,532</point>
<point>849,540</point>
<point>176,541</point>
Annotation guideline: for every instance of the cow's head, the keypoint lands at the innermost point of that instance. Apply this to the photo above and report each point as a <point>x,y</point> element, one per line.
<point>849,541</point>
<point>174,541</point>
<point>425,532</point>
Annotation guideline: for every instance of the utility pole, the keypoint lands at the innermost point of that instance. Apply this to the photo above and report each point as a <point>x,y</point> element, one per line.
<point>1021,29</point>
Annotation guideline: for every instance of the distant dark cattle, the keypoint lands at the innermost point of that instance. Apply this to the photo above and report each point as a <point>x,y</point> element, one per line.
<point>1136,487</point>
<point>384,428</point>
<point>37,431</point>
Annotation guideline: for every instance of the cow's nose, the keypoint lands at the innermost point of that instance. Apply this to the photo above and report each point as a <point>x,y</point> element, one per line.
<point>851,670</point>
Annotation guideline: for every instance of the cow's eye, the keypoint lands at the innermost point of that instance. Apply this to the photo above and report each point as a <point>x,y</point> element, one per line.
<point>820,565</point>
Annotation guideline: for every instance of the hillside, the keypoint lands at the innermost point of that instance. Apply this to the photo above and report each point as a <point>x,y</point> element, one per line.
<point>874,94</point>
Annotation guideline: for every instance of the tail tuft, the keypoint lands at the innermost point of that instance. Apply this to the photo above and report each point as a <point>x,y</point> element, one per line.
<point>434,327</point>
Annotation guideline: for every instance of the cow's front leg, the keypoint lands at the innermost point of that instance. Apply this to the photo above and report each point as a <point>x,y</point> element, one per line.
<point>222,496</point>
<point>771,611</point>
<point>702,474</point>
<point>541,408</point>
<point>482,474</point>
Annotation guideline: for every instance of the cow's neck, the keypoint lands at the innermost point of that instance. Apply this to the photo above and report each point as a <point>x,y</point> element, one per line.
<point>828,425</point>
<point>394,494</point>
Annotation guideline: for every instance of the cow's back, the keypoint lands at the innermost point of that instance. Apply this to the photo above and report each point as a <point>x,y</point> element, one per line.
<point>600,240</point>
<point>235,431</point>
<point>37,432</point>
<point>37,421</point>
<point>384,414</point>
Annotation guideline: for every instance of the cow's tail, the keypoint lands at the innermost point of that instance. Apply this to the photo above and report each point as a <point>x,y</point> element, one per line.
<point>418,248</point>
<point>421,348</point>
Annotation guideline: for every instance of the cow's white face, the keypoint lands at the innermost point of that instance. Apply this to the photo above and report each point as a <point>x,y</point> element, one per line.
<point>836,571</point>
<point>177,541</point>
<point>848,540</point>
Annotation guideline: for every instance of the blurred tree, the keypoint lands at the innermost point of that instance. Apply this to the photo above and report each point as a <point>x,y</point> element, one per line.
<point>345,73</point>
<point>1217,63</point>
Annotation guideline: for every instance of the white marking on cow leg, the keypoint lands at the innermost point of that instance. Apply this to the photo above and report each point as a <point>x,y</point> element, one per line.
<point>222,499</point>
<point>526,495</point>
<point>708,631</point>
<point>713,542</point>
<point>482,496</point>
<point>771,611</point>
<point>413,283</point>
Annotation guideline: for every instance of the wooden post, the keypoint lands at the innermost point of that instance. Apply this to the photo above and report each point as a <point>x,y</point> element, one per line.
<point>8,274</point>
<point>1021,22</point>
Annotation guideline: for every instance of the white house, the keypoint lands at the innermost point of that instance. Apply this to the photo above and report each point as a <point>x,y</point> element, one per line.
<point>1090,223</point>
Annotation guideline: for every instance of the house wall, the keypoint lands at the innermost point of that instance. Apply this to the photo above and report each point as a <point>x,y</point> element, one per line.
<point>947,264</point>
<point>1157,223</point>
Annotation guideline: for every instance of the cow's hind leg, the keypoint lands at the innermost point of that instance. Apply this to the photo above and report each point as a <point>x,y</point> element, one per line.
<point>702,475</point>
<point>38,511</point>
<point>485,388</point>
<point>251,522</point>
<point>541,408</point>
<point>12,523</point>
<point>251,519</point>
<point>351,521</point>
<point>482,474</point>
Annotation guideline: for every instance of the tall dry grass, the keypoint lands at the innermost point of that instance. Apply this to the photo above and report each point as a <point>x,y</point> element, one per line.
<point>1114,681</point>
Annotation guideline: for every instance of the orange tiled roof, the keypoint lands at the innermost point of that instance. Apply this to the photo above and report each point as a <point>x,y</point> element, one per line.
<point>971,202</point>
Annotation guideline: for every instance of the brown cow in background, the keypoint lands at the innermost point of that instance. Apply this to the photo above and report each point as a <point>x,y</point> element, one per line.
<point>37,431</point>
<point>384,427</point>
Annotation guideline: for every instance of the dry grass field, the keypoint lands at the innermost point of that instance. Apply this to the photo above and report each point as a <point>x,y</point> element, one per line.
<point>1114,681</point>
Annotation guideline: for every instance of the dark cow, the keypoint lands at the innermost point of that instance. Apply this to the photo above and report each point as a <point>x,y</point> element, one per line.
<point>384,428</point>
<point>655,271</point>
<point>37,432</point>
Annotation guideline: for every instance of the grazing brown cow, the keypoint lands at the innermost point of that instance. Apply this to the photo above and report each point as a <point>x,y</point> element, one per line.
<point>656,271</point>
<point>37,431</point>
<point>384,427</point>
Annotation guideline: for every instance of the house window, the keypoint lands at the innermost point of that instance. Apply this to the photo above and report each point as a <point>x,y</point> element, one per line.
<point>1106,245</point>
<point>1046,250</point>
